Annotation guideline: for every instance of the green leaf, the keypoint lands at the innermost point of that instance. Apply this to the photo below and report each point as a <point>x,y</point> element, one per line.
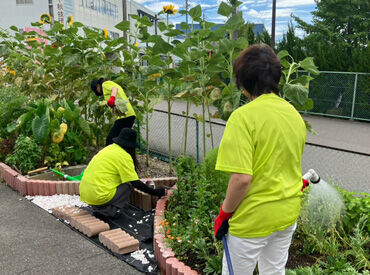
<point>184,26</point>
<point>162,47</point>
<point>14,28</point>
<point>123,26</point>
<point>162,26</point>
<point>173,32</point>
<point>84,125</point>
<point>224,9</point>
<point>282,54</point>
<point>11,126</point>
<point>235,22</point>
<point>156,60</point>
<point>304,80</point>
<point>72,59</point>
<point>297,93</point>
<point>195,12</point>
<point>41,128</point>
<point>308,65</point>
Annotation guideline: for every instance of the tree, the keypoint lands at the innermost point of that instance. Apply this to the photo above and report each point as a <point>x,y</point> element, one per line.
<point>339,35</point>
<point>292,44</point>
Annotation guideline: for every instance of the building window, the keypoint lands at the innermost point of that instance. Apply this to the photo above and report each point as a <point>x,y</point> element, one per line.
<point>24,2</point>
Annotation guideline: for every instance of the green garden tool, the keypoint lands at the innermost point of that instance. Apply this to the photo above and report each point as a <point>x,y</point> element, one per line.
<point>76,178</point>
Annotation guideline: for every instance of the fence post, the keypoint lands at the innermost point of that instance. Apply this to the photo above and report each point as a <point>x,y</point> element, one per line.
<point>139,134</point>
<point>197,138</point>
<point>354,97</point>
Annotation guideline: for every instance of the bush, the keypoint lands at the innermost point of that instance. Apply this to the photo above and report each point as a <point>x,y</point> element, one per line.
<point>12,105</point>
<point>26,155</point>
<point>339,245</point>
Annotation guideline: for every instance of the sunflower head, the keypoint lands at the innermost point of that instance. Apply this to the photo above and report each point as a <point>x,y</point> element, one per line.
<point>169,9</point>
<point>70,20</point>
<point>45,18</point>
<point>105,32</point>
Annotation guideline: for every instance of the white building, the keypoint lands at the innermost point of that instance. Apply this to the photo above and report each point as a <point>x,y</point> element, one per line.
<point>102,14</point>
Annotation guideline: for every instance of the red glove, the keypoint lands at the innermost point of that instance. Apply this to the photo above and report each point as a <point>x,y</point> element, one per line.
<point>305,184</point>
<point>222,224</point>
<point>111,100</point>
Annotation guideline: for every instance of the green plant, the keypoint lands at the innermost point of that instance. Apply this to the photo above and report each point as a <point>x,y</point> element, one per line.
<point>190,213</point>
<point>26,155</point>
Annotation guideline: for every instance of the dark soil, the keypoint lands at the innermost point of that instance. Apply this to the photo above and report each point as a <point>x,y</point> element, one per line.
<point>156,169</point>
<point>297,258</point>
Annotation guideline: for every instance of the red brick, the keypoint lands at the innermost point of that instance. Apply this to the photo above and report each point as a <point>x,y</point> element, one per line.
<point>41,188</point>
<point>164,254</point>
<point>119,241</point>
<point>77,187</point>
<point>168,265</point>
<point>29,187</point>
<point>88,224</point>
<point>183,270</point>
<point>10,175</point>
<point>3,167</point>
<point>71,188</point>
<point>52,188</point>
<point>35,187</point>
<point>59,187</point>
<point>65,212</point>
<point>65,187</point>
<point>21,184</point>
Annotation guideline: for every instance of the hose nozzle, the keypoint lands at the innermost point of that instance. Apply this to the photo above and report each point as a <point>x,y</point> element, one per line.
<point>312,176</point>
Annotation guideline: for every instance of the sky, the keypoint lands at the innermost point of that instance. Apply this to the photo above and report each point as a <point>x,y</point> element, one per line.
<point>254,11</point>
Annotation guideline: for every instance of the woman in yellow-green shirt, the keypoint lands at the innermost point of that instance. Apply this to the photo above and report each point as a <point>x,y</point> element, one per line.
<point>262,148</point>
<point>111,176</point>
<point>111,90</point>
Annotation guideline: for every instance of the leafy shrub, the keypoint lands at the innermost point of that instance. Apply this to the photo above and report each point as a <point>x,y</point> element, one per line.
<point>339,247</point>
<point>12,105</point>
<point>26,155</point>
<point>191,211</point>
<point>6,147</point>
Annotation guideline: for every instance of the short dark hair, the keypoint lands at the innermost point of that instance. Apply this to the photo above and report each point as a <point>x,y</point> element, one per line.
<point>258,70</point>
<point>95,83</point>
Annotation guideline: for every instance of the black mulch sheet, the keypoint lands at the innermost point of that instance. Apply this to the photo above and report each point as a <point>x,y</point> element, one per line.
<point>138,224</point>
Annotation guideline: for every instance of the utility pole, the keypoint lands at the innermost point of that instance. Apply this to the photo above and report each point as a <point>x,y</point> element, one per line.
<point>124,13</point>
<point>51,12</point>
<point>156,24</point>
<point>273,24</point>
<point>187,19</point>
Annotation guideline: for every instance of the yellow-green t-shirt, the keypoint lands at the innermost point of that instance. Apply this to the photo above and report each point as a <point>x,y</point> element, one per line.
<point>108,169</point>
<point>265,138</point>
<point>107,92</point>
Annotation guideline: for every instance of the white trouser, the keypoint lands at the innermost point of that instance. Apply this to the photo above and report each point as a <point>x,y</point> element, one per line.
<point>271,252</point>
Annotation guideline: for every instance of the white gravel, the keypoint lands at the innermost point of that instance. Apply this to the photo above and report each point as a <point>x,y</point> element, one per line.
<point>140,256</point>
<point>49,202</point>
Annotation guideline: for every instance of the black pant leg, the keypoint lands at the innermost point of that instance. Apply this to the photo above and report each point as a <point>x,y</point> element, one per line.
<point>118,125</point>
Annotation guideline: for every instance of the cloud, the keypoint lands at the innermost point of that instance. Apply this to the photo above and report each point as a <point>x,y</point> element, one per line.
<point>267,14</point>
<point>293,3</point>
<point>157,6</point>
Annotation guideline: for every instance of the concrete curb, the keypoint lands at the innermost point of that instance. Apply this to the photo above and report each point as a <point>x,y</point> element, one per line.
<point>167,262</point>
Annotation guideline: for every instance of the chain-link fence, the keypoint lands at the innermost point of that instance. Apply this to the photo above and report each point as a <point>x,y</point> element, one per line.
<point>341,94</point>
<point>343,168</point>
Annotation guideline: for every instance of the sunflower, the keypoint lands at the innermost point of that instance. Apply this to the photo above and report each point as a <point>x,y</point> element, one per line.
<point>45,18</point>
<point>70,20</point>
<point>105,32</point>
<point>169,9</point>
<point>154,76</point>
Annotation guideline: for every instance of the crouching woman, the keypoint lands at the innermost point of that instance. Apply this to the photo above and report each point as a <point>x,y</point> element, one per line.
<point>111,176</point>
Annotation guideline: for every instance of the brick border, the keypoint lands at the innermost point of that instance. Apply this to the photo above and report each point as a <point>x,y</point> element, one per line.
<point>167,262</point>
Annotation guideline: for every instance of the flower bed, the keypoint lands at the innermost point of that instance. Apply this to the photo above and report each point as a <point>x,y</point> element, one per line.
<point>339,247</point>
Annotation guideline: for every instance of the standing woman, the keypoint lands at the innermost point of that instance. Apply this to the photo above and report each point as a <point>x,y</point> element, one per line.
<point>262,148</point>
<point>111,90</point>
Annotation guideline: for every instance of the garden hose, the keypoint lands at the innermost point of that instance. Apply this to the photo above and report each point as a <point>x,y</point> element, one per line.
<point>77,178</point>
<point>311,176</point>
<point>227,255</point>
